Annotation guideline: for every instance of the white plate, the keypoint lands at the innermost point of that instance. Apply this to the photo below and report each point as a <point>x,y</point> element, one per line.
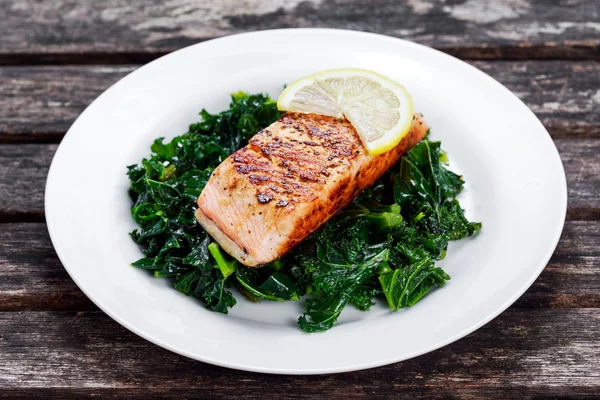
<point>515,186</point>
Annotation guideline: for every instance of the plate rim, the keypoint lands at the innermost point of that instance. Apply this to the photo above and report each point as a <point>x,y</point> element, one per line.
<point>563,200</point>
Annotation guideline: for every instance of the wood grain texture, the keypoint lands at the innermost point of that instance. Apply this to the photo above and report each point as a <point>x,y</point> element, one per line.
<point>55,343</point>
<point>23,172</point>
<point>35,279</point>
<point>31,275</point>
<point>563,95</point>
<point>40,103</point>
<point>572,277</point>
<point>137,31</point>
<point>24,167</point>
<point>520,352</point>
<point>581,161</point>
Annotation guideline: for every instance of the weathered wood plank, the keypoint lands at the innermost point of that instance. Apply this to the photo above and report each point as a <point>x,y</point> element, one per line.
<point>520,352</point>
<point>572,277</point>
<point>31,275</point>
<point>582,167</point>
<point>563,95</point>
<point>23,170</point>
<point>328,391</point>
<point>40,103</point>
<point>68,31</point>
<point>34,279</point>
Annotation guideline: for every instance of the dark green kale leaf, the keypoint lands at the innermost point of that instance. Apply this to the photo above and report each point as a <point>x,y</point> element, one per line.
<point>335,288</point>
<point>363,295</point>
<point>345,260</point>
<point>427,192</point>
<point>267,284</point>
<point>406,286</point>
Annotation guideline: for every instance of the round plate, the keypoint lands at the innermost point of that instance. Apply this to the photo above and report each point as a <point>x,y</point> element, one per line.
<point>515,185</point>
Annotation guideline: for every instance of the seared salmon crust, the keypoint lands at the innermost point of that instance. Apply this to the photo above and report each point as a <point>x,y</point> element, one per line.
<point>291,178</point>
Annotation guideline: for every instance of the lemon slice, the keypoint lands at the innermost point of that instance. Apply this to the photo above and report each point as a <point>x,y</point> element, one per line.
<point>380,109</point>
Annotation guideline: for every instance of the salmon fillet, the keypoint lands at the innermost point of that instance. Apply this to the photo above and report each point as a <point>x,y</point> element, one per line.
<point>290,179</point>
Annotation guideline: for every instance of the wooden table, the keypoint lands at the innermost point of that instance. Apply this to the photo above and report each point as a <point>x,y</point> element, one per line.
<point>57,56</point>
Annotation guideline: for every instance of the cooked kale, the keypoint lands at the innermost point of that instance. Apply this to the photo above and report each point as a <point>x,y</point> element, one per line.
<point>384,245</point>
<point>165,187</point>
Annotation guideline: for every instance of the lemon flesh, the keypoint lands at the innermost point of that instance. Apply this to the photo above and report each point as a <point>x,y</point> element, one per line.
<point>379,108</point>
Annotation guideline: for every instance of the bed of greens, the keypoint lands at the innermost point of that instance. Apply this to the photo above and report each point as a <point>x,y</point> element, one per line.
<point>384,245</point>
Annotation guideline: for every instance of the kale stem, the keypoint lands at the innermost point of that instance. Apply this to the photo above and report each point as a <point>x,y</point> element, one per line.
<point>227,267</point>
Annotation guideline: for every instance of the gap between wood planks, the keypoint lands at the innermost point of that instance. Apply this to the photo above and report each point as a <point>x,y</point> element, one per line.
<point>525,52</point>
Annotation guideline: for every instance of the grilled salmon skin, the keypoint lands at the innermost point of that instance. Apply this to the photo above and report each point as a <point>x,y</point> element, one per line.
<point>290,179</point>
